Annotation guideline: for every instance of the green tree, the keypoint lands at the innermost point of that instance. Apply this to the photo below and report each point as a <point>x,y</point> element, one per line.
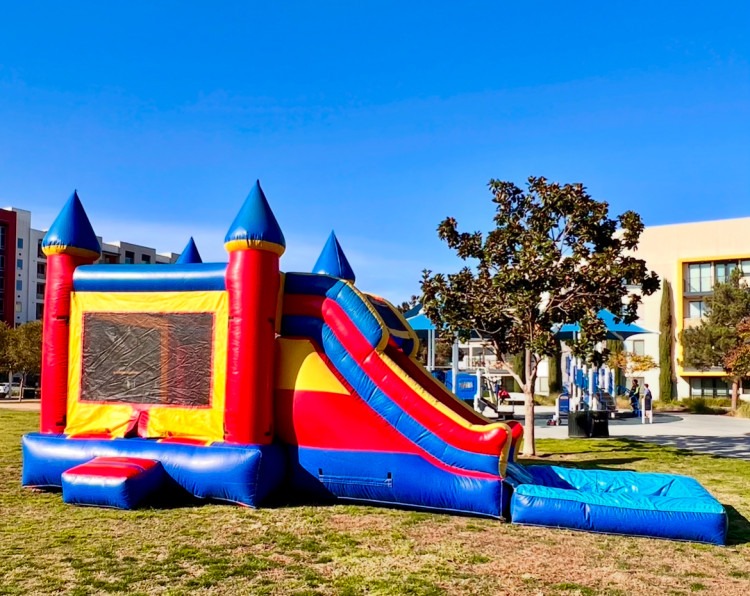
<point>555,372</point>
<point>24,350</point>
<point>408,305</point>
<point>666,369</point>
<point>554,256</point>
<point>711,344</point>
<point>517,364</point>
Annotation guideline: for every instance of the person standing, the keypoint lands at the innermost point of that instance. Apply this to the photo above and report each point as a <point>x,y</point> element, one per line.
<point>635,398</point>
<point>648,412</point>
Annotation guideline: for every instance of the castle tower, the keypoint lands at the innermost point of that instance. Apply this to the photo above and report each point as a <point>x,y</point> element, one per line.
<point>255,243</point>
<point>69,243</point>
<point>190,254</point>
<point>332,261</point>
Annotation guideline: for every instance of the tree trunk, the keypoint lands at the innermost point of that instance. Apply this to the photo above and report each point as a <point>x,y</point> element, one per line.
<point>529,443</point>
<point>735,394</point>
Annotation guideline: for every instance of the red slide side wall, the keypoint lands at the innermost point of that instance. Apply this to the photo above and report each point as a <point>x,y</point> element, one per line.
<point>55,336</point>
<point>489,442</point>
<point>252,280</point>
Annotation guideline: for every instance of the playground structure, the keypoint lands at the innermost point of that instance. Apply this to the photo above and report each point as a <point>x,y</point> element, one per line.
<point>232,381</point>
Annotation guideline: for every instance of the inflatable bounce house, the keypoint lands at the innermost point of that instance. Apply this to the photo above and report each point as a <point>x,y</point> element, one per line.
<point>230,381</point>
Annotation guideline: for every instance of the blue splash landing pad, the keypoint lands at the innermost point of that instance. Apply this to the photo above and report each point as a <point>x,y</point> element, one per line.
<point>616,502</point>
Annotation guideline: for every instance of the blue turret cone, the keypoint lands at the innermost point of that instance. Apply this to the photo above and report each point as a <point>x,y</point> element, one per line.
<point>332,261</point>
<point>190,254</point>
<point>71,232</point>
<point>255,226</point>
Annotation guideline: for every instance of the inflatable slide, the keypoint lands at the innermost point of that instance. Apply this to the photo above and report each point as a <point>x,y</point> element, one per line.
<point>365,421</point>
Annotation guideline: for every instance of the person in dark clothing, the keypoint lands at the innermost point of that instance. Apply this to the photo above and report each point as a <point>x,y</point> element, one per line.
<point>635,397</point>
<point>648,412</point>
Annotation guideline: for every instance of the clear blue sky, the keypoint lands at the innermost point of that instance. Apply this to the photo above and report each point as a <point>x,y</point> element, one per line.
<point>376,119</point>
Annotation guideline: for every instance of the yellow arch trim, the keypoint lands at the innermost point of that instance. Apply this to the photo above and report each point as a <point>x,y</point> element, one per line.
<point>300,367</point>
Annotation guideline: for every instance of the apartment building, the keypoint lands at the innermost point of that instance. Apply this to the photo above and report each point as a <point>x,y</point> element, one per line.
<point>692,257</point>
<point>23,266</point>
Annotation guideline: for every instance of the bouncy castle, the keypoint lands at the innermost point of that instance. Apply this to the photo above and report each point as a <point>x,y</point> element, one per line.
<point>232,381</point>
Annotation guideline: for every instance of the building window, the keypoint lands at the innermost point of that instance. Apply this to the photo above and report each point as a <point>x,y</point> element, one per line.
<point>696,309</point>
<point>129,257</point>
<point>20,243</point>
<point>39,310</point>
<point>19,263</point>
<point>639,347</point>
<point>40,291</point>
<point>41,270</point>
<point>19,285</point>
<point>3,234</point>
<point>709,387</point>
<point>146,259</point>
<point>39,252</point>
<point>2,262</point>
<point>699,277</point>
<point>19,306</point>
<point>724,272</point>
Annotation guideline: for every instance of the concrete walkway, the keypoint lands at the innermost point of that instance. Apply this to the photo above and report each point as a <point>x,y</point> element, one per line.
<point>716,435</point>
<point>27,405</point>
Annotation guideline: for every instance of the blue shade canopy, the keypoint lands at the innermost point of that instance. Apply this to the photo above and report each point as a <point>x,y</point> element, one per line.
<point>332,261</point>
<point>190,254</point>
<point>71,232</point>
<point>255,225</point>
<point>615,330</point>
<point>420,322</point>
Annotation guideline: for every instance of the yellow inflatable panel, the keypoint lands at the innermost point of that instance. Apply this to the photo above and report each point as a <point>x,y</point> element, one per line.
<point>300,367</point>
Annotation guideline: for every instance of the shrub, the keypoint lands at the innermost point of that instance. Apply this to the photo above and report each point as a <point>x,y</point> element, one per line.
<point>701,405</point>
<point>743,411</point>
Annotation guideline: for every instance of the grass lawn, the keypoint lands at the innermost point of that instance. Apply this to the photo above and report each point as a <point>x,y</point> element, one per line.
<point>49,547</point>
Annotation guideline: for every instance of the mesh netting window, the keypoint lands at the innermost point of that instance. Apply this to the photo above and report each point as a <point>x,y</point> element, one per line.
<point>147,358</point>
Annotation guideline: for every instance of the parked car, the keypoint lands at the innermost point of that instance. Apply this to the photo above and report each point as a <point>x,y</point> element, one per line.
<point>10,390</point>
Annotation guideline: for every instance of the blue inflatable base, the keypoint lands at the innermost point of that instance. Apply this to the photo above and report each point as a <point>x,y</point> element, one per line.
<point>394,479</point>
<point>617,502</point>
<point>242,474</point>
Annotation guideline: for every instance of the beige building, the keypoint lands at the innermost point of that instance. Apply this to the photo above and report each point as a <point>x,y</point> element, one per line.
<point>693,257</point>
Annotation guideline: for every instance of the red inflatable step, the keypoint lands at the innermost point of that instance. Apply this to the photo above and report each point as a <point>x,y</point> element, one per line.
<point>120,482</point>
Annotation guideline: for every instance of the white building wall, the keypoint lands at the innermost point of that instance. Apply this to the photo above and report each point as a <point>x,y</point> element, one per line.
<point>23,267</point>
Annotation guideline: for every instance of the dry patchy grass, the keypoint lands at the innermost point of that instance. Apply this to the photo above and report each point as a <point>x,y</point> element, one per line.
<point>48,547</point>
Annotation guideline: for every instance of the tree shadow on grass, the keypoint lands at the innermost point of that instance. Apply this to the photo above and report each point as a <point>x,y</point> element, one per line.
<point>739,527</point>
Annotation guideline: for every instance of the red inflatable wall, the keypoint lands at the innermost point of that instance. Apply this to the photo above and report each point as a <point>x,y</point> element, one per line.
<point>252,280</point>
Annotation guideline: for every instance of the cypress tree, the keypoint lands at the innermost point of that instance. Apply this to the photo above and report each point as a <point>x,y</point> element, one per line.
<point>555,372</point>
<point>666,371</point>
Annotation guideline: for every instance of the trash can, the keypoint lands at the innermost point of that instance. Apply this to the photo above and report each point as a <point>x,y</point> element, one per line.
<point>599,424</point>
<point>588,424</point>
<point>578,424</point>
